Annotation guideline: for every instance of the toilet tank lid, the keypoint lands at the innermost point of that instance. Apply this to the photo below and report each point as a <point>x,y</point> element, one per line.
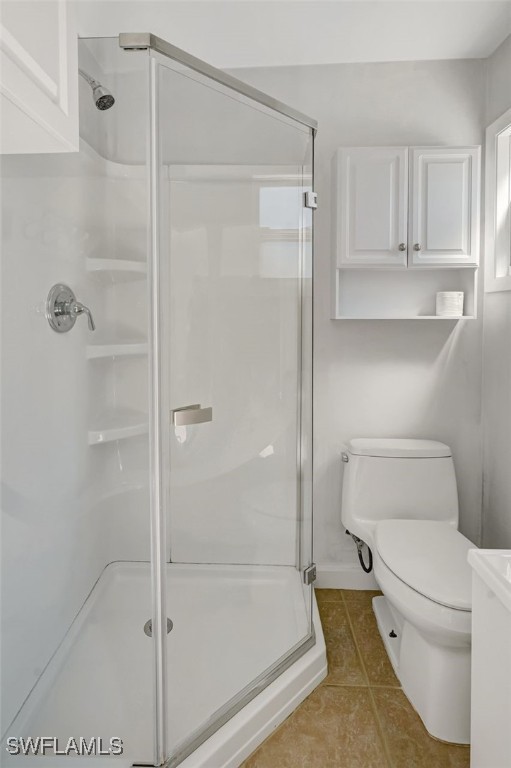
<point>398,448</point>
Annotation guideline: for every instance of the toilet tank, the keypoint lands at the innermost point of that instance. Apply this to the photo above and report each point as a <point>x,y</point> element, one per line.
<point>397,478</point>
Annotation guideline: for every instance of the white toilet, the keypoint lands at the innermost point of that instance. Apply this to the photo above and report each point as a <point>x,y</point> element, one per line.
<point>400,498</point>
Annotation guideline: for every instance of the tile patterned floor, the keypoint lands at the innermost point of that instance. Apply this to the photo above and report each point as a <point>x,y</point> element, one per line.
<point>358,717</point>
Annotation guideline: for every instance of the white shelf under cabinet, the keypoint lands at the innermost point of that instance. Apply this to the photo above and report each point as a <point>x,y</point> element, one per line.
<point>407,294</point>
<point>117,270</point>
<point>117,424</point>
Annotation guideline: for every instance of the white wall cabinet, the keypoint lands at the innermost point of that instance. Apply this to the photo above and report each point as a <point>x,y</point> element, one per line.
<point>380,225</point>
<point>38,77</point>
<point>404,211</point>
<point>444,206</point>
<point>373,198</point>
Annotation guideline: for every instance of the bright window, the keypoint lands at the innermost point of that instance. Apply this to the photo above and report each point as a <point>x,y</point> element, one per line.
<point>498,204</point>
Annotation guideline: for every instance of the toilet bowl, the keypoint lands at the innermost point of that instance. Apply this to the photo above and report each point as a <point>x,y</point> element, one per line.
<point>422,569</point>
<point>400,497</point>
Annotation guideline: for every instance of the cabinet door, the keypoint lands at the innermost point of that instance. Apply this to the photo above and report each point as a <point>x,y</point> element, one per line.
<point>444,206</point>
<point>371,206</point>
<point>38,77</point>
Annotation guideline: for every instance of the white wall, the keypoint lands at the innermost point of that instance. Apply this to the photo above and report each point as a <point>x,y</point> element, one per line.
<point>498,81</point>
<point>255,33</point>
<point>393,378</point>
<point>497,354</point>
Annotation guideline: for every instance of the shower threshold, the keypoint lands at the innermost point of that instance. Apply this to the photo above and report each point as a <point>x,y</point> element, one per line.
<point>229,625</point>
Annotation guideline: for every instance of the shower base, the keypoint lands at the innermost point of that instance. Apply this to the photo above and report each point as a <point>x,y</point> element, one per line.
<point>230,625</point>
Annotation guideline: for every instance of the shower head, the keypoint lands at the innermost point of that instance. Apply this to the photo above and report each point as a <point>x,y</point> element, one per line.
<point>101,96</point>
<point>103,99</point>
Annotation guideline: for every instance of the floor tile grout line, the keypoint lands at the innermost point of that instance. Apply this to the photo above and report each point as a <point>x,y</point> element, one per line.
<point>379,727</point>
<point>365,684</point>
<point>381,730</point>
<point>377,686</point>
<point>397,685</point>
<point>359,652</point>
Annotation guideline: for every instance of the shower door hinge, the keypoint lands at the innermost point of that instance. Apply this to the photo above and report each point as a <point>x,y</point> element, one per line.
<point>311,200</point>
<point>309,574</point>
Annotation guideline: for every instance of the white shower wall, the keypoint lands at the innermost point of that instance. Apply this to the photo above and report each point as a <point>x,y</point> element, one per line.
<point>50,550</point>
<point>68,508</point>
<point>52,539</point>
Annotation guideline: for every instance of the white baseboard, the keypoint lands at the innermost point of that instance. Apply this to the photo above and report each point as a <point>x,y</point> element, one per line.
<point>343,576</point>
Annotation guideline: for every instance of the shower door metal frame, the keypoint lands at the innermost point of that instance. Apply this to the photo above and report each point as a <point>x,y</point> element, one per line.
<point>163,50</point>
<point>146,40</point>
<point>157,490</point>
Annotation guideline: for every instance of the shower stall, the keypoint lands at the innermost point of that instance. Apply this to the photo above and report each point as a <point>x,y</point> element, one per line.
<point>157,456</point>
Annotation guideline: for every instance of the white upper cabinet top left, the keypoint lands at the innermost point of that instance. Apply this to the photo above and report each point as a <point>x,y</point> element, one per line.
<point>38,77</point>
<point>372,199</point>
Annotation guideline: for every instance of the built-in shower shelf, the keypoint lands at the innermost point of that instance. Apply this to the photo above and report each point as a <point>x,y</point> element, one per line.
<point>116,349</point>
<point>118,424</point>
<point>117,270</point>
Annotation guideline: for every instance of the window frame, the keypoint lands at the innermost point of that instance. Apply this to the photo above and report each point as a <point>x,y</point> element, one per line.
<point>498,203</point>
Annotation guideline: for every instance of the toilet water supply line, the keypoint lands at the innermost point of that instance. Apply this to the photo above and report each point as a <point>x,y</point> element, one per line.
<point>360,546</point>
<point>358,542</point>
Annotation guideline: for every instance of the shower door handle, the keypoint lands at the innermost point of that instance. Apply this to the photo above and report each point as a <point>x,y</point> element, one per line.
<point>191,414</point>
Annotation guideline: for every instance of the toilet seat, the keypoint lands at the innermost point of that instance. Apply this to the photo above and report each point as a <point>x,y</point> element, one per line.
<point>430,557</point>
<point>446,626</point>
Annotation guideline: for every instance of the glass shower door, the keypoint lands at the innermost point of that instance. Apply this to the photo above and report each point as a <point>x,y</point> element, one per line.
<point>234,310</point>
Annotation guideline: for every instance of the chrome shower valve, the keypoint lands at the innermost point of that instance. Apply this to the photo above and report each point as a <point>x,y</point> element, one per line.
<point>62,309</point>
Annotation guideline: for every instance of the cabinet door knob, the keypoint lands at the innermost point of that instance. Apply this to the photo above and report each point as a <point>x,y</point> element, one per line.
<point>417,247</point>
<point>402,246</point>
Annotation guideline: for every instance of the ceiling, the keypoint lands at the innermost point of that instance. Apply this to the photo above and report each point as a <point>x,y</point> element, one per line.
<point>252,33</point>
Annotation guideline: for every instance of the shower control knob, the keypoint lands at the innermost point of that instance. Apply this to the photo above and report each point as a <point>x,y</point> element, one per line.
<point>62,309</point>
